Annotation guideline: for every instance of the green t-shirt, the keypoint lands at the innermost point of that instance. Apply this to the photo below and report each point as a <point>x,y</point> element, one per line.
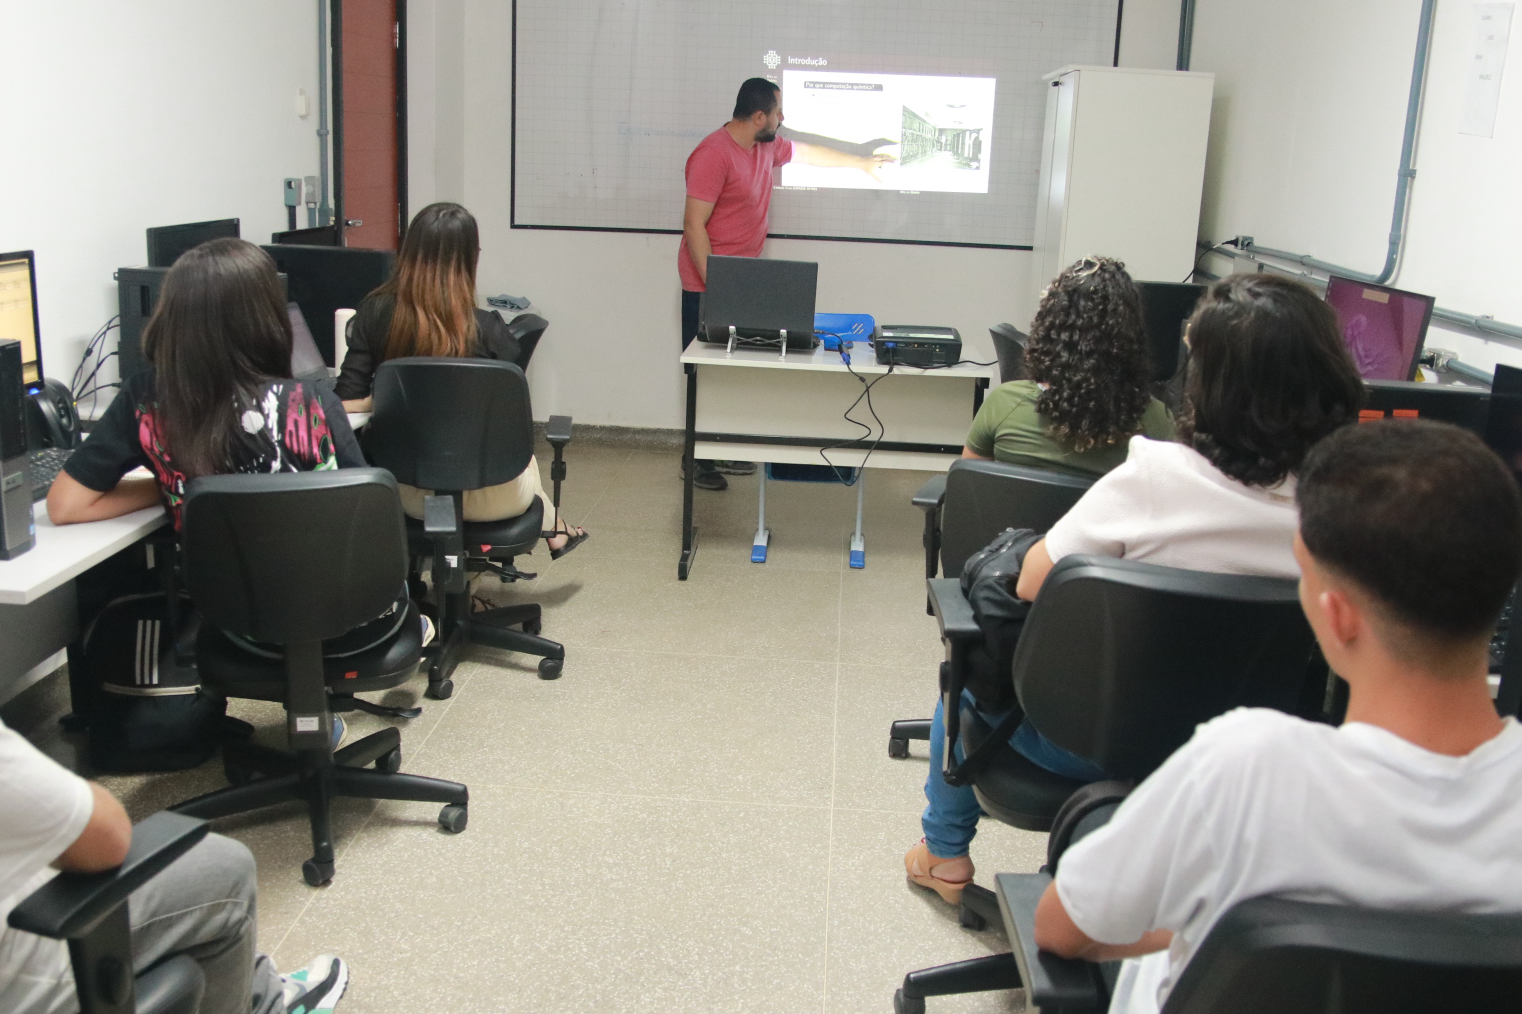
<point>1008,428</point>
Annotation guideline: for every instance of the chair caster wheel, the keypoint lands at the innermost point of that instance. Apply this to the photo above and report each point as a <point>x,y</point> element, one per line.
<point>390,762</point>
<point>454,817</point>
<point>440,691</point>
<point>236,774</point>
<point>907,1004</point>
<point>970,919</point>
<point>898,747</point>
<point>549,668</point>
<point>532,627</point>
<point>316,874</point>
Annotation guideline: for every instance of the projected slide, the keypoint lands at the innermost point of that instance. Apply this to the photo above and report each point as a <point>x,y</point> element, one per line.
<point>934,133</point>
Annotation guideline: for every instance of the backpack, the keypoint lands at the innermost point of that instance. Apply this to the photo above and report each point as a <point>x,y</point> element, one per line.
<point>988,581</point>
<point>145,712</point>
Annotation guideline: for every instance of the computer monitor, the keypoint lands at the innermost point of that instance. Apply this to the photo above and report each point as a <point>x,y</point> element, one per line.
<point>18,313</point>
<point>1503,430</point>
<point>1166,307</point>
<point>167,242</point>
<point>323,279</point>
<point>760,298</point>
<point>1468,407</point>
<point>1384,328</point>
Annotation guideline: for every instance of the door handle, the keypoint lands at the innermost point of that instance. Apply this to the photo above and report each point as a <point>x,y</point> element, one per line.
<point>353,222</point>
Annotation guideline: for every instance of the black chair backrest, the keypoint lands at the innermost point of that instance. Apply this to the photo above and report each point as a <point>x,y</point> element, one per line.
<point>527,329</point>
<point>985,497</point>
<point>450,424</point>
<point>1287,957</point>
<point>296,556</point>
<point>1009,347</point>
<point>1119,660</point>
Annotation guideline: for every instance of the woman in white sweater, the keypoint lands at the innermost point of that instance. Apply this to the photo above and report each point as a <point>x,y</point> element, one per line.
<point>1269,376</point>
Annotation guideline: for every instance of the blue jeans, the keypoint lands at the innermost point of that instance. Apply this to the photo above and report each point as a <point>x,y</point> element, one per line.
<point>951,815</point>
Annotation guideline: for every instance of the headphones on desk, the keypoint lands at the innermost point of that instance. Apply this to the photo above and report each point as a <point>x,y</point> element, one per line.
<point>52,417</point>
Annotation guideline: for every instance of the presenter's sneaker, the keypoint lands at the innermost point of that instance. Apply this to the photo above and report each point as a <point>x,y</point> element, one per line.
<point>946,877</point>
<point>316,988</point>
<point>736,467</point>
<point>707,477</point>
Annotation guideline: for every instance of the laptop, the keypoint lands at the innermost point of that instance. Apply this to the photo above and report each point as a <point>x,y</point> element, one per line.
<point>761,299</point>
<point>1384,328</point>
<point>306,361</point>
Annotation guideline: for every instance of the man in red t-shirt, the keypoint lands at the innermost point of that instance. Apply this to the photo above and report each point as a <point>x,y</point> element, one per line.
<point>729,189</point>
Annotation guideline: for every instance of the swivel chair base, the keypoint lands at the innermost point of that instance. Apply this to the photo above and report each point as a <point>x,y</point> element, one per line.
<point>515,628</point>
<point>977,975</point>
<point>262,777</point>
<point>903,731</point>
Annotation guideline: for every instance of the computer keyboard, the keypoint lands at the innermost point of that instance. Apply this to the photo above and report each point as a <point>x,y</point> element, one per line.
<point>46,464</point>
<point>1503,630</point>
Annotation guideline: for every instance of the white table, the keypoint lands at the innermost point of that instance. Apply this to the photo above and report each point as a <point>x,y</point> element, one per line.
<point>756,405</point>
<point>38,617</point>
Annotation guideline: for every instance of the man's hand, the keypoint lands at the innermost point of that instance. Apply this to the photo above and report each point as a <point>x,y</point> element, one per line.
<point>829,158</point>
<point>1056,933</point>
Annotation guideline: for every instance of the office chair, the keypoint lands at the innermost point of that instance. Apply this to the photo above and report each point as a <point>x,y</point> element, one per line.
<point>1117,663</point>
<point>965,507</point>
<point>282,569</point>
<point>1263,955</point>
<point>89,910</point>
<point>527,329</point>
<point>1009,348</point>
<point>453,425</point>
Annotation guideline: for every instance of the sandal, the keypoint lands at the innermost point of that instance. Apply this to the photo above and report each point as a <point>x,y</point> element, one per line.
<point>921,867</point>
<point>576,537</point>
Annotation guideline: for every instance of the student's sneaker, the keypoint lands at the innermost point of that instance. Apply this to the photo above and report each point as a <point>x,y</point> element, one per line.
<point>340,730</point>
<point>428,629</point>
<point>736,467</point>
<point>707,478</point>
<point>316,988</point>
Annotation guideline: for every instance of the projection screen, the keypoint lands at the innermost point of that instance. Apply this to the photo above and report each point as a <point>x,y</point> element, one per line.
<point>610,96</point>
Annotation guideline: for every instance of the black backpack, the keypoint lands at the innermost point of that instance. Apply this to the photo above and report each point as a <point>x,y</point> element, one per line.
<point>145,712</point>
<point>988,581</point>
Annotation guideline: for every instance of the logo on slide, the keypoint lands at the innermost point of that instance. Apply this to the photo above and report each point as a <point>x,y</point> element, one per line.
<point>771,59</point>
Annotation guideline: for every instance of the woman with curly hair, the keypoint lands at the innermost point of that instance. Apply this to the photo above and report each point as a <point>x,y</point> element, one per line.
<point>1088,370</point>
<point>1269,376</point>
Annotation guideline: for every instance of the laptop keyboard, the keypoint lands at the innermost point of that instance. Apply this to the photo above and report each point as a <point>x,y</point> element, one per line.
<point>46,464</point>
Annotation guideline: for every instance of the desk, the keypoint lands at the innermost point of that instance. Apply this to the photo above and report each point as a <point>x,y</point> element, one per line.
<point>754,405</point>
<point>38,617</point>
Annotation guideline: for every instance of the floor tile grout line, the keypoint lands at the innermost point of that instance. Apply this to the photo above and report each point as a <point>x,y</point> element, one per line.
<point>829,863</point>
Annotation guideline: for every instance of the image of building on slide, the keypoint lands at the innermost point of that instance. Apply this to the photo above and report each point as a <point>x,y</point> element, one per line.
<point>953,146</point>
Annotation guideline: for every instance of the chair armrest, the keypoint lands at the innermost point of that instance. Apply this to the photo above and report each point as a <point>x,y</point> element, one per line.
<point>932,493</point>
<point>439,516</point>
<point>1050,982</point>
<point>558,430</point>
<point>952,610</point>
<point>71,904</point>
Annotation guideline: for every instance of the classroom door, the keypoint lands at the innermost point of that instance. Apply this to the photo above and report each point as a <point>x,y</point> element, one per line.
<point>369,99</point>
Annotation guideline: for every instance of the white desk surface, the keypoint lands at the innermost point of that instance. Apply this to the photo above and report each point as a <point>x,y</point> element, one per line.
<point>63,552</point>
<point>863,361</point>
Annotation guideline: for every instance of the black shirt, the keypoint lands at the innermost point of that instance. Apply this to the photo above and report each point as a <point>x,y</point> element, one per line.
<point>367,344</point>
<point>292,426</point>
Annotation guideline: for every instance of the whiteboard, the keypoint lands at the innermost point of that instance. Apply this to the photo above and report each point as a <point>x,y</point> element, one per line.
<point>610,97</point>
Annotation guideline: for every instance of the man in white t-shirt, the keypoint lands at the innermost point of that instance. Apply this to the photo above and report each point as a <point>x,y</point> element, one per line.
<point>202,905</point>
<point>1410,540</point>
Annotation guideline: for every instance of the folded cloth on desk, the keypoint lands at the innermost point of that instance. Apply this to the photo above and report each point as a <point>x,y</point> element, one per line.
<point>834,328</point>
<point>509,302</point>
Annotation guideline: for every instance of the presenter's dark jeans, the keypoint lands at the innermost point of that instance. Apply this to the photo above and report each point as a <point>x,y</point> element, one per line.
<point>690,304</point>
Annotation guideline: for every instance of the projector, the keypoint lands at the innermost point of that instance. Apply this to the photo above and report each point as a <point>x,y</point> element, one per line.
<point>915,345</point>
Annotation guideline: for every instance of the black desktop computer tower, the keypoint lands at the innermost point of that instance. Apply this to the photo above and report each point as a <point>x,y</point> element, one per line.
<point>137,291</point>
<point>15,467</point>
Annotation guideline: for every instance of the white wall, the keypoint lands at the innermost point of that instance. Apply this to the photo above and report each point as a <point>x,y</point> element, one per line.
<point>613,299</point>
<point>120,116</point>
<point>1310,102</point>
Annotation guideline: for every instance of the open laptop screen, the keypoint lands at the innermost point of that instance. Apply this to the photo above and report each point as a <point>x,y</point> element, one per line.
<point>1384,328</point>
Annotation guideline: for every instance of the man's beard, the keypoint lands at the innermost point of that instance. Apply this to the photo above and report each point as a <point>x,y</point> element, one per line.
<point>762,137</point>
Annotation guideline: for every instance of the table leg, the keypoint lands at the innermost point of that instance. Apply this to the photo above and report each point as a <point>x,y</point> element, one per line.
<point>858,555</point>
<point>763,536</point>
<point>689,466</point>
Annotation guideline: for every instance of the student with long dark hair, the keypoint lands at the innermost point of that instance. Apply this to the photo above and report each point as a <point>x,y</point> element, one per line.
<point>428,308</point>
<point>218,399</point>
<point>1269,376</point>
<point>1087,375</point>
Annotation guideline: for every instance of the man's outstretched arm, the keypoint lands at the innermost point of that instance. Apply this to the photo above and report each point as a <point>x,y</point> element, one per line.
<point>829,158</point>
<point>1058,934</point>
<point>695,233</point>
